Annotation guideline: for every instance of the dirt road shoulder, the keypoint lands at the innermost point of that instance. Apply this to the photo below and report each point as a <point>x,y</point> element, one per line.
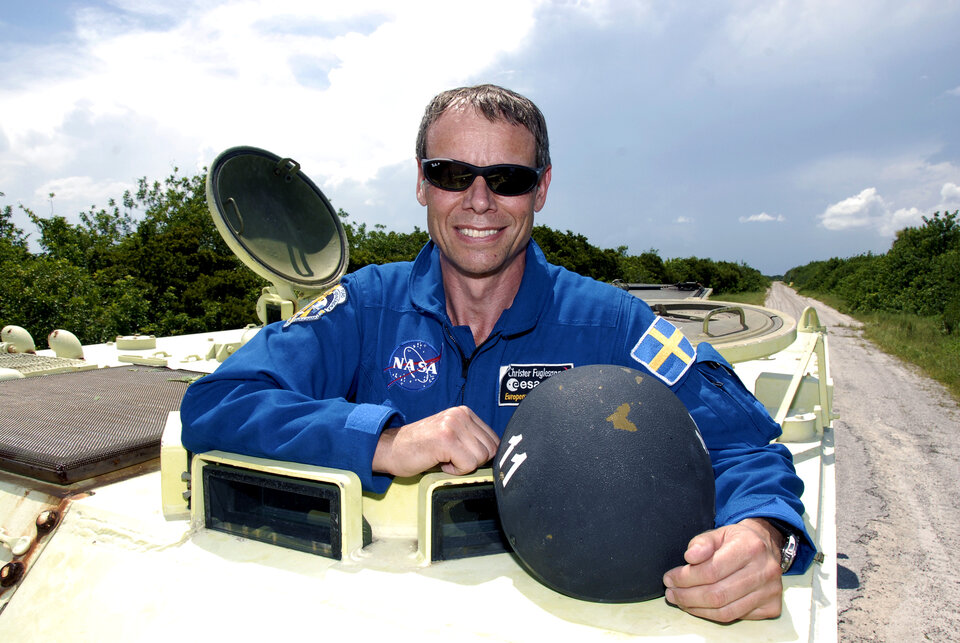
<point>898,489</point>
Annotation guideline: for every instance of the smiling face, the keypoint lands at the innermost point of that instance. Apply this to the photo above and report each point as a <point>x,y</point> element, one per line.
<point>479,233</point>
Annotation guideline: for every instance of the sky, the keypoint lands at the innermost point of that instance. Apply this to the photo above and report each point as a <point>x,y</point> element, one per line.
<point>768,132</point>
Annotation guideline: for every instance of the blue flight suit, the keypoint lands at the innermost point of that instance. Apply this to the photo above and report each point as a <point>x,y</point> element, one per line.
<point>379,351</point>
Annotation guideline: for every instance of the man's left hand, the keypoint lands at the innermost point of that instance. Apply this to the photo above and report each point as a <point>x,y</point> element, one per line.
<point>732,573</point>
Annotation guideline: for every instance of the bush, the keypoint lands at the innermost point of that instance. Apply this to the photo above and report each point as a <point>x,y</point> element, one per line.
<point>167,270</point>
<point>918,275</point>
<point>951,315</point>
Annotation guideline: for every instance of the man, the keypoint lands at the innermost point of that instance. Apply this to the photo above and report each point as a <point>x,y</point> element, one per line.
<point>399,369</point>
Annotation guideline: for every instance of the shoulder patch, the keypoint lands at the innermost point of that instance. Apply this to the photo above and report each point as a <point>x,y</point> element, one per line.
<point>664,351</point>
<point>319,306</point>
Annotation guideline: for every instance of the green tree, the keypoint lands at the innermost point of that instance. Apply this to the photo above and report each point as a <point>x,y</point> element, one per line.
<point>13,242</point>
<point>14,257</point>
<point>154,262</point>
<point>920,274</point>
<point>168,273</point>
<point>645,268</point>
<point>574,252</point>
<point>89,244</point>
<point>378,246</point>
<point>180,264</point>
<point>44,293</point>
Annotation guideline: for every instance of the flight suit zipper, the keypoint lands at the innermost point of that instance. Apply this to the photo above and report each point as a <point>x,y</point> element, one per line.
<point>464,360</point>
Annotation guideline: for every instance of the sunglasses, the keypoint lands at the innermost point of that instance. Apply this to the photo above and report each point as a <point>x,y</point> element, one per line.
<point>503,179</point>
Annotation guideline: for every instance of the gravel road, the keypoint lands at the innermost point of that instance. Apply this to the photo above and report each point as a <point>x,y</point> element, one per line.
<point>898,489</point>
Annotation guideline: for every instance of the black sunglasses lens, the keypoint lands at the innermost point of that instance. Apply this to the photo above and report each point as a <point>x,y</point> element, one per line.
<point>449,175</point>
<point>511,181</point>
<point>505,180</point>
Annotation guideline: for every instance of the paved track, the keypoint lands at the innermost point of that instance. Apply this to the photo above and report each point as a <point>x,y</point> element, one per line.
<point>898,489</point>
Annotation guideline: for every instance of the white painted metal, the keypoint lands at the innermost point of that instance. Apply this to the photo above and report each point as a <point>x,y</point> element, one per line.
<point>117,569</point>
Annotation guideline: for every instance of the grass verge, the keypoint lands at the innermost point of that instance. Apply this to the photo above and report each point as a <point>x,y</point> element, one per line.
<point>755,298</point>
<point>921,341</point>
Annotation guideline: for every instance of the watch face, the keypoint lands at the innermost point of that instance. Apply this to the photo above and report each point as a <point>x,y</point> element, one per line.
<point>788,553</point>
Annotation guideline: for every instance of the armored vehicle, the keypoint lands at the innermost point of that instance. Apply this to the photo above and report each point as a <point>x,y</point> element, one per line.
<point>111,530</point>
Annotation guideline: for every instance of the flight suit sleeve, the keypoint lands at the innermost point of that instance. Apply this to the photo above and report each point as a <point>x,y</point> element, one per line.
<point>286,394</point>
<point>755,477</point>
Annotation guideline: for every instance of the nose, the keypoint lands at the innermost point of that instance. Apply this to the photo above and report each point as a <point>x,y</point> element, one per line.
<point>478,197</point>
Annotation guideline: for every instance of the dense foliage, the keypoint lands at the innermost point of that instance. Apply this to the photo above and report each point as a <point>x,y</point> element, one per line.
<point>154,263</point>
<point>573,251</point>
<point>166,272</point>
<point>378,246</point>
<point>919,275</point>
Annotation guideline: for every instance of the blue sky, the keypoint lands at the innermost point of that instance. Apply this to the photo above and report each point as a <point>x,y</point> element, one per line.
<point>774,133</point>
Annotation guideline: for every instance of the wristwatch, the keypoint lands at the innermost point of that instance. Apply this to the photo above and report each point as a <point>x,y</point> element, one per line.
<point>789,551</point>
<point>791,543</point>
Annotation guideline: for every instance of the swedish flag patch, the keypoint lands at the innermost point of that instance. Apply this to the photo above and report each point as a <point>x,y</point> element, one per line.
<point>664,351</point>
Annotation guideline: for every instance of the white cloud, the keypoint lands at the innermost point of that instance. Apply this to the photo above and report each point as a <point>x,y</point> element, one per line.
<point>340,87</point>
<point>763,217</point>
<point>76,189</point>
<point>949,197</point>
<point>868,210</point>
<point>904,188</point>
<point>854,212</point>
<point>898,220</point>
<point>916,181</point>
<point>950,193</point>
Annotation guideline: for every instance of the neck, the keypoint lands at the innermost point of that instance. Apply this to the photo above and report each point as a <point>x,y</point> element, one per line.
<point>478,302</point>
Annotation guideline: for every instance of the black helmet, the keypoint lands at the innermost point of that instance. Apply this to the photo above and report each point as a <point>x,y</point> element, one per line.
<point>601,480</point>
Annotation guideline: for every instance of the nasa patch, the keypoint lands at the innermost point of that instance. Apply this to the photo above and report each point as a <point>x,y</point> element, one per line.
<point>413,366</point>
<point>516,380</point>
<point>319,306</point>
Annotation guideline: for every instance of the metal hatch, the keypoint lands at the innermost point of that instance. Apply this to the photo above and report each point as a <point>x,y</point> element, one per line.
<point>277,221</point>
<point>740,332</point>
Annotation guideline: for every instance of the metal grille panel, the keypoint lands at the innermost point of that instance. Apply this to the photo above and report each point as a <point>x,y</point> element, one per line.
<point>30,364</point>
<point>68,427</point>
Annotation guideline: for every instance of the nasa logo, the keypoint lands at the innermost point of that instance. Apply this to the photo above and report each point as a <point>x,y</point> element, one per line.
<point>413,366</point>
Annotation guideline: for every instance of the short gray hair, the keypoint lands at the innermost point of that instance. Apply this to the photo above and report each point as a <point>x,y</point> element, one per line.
<point>497,104</point>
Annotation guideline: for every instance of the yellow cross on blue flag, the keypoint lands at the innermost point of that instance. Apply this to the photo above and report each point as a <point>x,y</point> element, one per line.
<point>664,351</point>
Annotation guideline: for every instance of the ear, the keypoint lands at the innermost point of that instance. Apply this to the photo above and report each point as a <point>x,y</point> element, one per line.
<point>421,185</point>
<point>541,196</point>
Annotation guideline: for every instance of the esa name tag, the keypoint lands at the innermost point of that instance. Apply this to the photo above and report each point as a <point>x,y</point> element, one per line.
<point>516,380</point>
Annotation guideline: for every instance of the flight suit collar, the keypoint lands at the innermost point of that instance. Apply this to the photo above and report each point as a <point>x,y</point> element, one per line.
<point>427,294</point>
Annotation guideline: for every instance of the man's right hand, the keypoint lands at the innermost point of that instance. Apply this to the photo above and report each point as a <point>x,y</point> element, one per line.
<point>456,439</point>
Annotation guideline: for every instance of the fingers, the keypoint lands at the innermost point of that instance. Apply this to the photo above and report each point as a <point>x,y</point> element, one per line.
<point>703,546</point>
<point>751,607</point>
<point>713,556</point>
<point>746,594</point>
<point>471,443</point>
<point>733,573</point>
<point>455,438</point>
